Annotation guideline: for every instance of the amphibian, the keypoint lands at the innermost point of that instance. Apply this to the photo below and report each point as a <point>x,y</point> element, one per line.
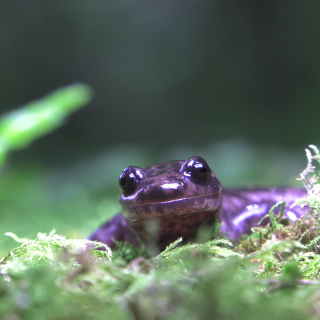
<point>165,201</point>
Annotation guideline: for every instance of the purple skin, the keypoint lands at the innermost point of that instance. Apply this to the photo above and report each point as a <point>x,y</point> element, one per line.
<point>169,200</point>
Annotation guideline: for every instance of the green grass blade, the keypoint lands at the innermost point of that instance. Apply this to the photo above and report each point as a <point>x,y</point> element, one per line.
<point>20,127</point>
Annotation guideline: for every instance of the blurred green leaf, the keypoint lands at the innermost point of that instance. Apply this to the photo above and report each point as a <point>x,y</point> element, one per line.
<point>19,128</point>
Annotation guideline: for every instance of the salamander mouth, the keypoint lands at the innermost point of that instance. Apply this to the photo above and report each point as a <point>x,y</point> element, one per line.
<point>129,203</point>
<point>172,208</point>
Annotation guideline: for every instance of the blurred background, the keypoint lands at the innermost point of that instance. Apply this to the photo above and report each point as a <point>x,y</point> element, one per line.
<point>235,82</point>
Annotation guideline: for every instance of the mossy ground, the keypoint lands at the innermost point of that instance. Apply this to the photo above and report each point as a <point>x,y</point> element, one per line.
<point>271,274</point>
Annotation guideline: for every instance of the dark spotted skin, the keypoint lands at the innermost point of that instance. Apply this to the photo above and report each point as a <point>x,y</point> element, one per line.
<point>168,205</point>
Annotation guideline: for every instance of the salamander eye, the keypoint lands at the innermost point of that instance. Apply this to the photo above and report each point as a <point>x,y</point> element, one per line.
<point>129,179</point>
<point>197,169</point>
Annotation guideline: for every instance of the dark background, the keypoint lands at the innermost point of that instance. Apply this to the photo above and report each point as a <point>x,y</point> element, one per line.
<point>236,82</point>
<point>165,73</point>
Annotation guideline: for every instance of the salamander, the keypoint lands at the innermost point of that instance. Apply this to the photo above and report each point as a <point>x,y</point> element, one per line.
<point>165,201</point>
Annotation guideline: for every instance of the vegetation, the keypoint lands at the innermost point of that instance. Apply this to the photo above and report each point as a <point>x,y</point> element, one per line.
<point>19,128</point>
<point>271,274</point>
